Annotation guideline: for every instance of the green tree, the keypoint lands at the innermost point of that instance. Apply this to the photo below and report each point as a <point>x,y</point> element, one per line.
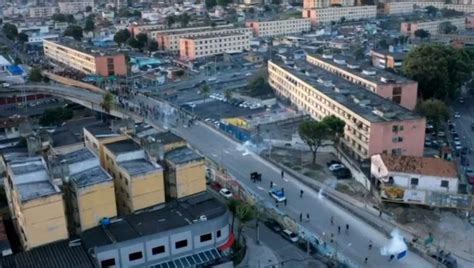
<point>74,31</point>
<point>142,39</point>
<point>244,213</point>
<point>59,17</point>
<point>88,9</point>
<point>422,34</point>
<point>89,25</point>
<point>107,102</point>
<point>439,70</point>
<point>152,46</point>
<point>137,13</point>
<point>435,111</point>
<point>431,10</point>
<point>10,31</point>
<point>22,38</point>
<point>343,19</point>
<point>170,20</point>
<point>383,44</point>
<point>222,3</point>
<point>132,42</point>
<point>55,116</point>
<point>232,205</point>
<point>70,18</point>
<point>210,4</point>
<point>184,19</point>
<point>123,12</point>
<point>276,2</point>
<point>447,28</point>
<point>35,75</point>
<point>335,129</point>
<point>259,86</point>
<point>121,37</point>
<point>205,90</point>
<point>228,94</point>
<point>313,133</point>
<point>359,53</point>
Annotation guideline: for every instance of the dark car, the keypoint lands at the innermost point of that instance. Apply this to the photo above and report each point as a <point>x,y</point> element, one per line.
<point>273,225</point>
<point>446,259</point>
<point>343,173</point>
<point>332,162</point>
<point>464,160</point>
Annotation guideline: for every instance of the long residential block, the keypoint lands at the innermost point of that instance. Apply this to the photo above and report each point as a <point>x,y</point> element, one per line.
<point>335,14</point>
<point>431,26</point>
<point>279,27</point>
<point>373,124</point>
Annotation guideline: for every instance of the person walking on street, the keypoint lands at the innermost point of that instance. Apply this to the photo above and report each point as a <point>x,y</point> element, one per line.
<point>366,259</point>
<point>370,244</point>
<point>301,193</point>
<point>339,229</point>
<point>347,228</point>
<point>307,216</point>
<point>271,184</point>
<point>282,174</point>
<point>301,217</point>
<point>285,202</point>
<point>391,257</point>
<point>332,220</point>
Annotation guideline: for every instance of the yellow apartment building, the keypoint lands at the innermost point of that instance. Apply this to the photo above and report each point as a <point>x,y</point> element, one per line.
<point>431,26</point>
<point>139,183</point>
<point>334,14</point>
<point>279,27</point>
<point>96,135</point>
<point>185,172</point>
<point>36,204</point>
<point>169,141</point>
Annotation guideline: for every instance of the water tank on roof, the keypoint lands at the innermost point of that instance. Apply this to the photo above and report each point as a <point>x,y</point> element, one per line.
<point>105,222</point>
<point>327,56</point>
<point>368,72</point>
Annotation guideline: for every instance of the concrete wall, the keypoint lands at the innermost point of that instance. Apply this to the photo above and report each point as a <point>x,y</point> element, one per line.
<point>146,191</point>
<point>186,179</point>
<point>119,65</point>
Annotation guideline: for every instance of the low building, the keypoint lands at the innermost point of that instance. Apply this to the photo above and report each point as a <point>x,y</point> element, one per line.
<point>97,135</point>
<point>74,6</point>
<point>167,140</point>
<point>213,44</point>
<point>89,190</point>
<point>431,26</point>
<point>42,11</point>
<point>185,174</point>
<point>183,233</point>
<point>384,59</point>
<point>335,14</point>
<point>373,123</point>
<point>84,58</point>
<point>38,38</point>
<point>279,27</point>
<point>139,183</point>
<point>36,204</point>
<point>394,87</point>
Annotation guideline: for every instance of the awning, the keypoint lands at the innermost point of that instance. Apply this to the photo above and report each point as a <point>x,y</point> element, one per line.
<point>228,244</point>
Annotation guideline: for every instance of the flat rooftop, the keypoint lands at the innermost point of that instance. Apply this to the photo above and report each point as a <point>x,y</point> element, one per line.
<point>92,176</point>
<point>100,130</point>
<point>34,190</point>
<point>171,215</point>
<point>139,167</point>
<point>85,47</point>
<point>359,100</point>
<point>364,71</point>
<point>214,35</point>
<point>77,156</point>
<point>193,29</point>
<point>123,146</point>
<point>435,19</point>
<point>182,155</point>
<point>395,54</point>
<point>167,138</point>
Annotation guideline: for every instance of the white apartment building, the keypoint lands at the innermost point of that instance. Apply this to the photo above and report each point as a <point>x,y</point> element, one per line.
<point>327,3</point>
<point>396,8</point>
<point>405,7</point>
<point>279,27</point>
<point>431,26</point>
<point>169,40</point>
<point>42,12</point>
<point>39,38</point>
<point>210,45</point>
<point>329,14</point>
<point>74,6</point>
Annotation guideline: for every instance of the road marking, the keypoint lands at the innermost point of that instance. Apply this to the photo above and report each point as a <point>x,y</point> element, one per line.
<point>225,151</point>
<point>261,188</point>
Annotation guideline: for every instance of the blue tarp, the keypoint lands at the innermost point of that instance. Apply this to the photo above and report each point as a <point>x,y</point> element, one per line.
<point>15,70</point>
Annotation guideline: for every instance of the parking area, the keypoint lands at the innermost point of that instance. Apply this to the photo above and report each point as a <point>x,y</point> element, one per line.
<point>215,109</point>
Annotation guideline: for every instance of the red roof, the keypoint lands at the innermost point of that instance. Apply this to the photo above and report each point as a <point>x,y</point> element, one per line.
<point>228,244</point>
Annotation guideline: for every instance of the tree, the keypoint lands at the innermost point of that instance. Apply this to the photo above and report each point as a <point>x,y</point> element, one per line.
<point>59,17</point>
<point>383,44</point>
<point>422,34</point>
<point>210,4</point>
<point>335,128</point>
<point>10,31</point>
<point>107,102</point>
<point>343,19</point>
<point>74,31</point>
<point>132,42</point>
<point>222,3</point>
<point>259,86</point>
<point>152,46</point>
<point>184,19</point>
<point>205,90</point>
<point>244,213</point>
<point>276,2</point>
<point>123,12</point>
<point>170,20</point>
<point>431,10</point>
<point>89,25</point>
<point>313,133</point>
<point>70,18</point>
<point>359,53</point>
<point>439,70</point>
<point>446,28</point>
<point>435,111</point>
<point>35,75</point>
<point>55,116</point>
<point>142,39</point>
<point>121,37</point>
<point>228,94</point>
<point>232,205</point>
<point>88,9</point>
<point>22,38</point>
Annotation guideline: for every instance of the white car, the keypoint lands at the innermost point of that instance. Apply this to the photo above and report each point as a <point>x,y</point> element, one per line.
<point>457,115</point>
<point>336,167</point>
<point>289,235</point>
<point>278,195</point>
<point>225,193</point>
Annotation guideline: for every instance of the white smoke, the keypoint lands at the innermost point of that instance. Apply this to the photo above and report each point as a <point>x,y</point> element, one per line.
<point>395,246</point>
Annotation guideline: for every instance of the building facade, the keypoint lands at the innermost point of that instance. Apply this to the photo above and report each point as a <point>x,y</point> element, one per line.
<point>36,204</point>
<point>431,26</point>
<point>74,6</point>
<point>42,11</point>
<point>390,86</point>
<point>373,124</point>
<point>335,14</point>
<point>385,59</point>
<point>279,27</point>
<point>71,54</point>
<point>213,44</point>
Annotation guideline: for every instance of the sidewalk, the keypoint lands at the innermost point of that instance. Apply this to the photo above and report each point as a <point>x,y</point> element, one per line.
<point>258,255</point>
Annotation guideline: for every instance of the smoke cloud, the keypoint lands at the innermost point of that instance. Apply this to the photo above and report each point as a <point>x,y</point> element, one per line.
<point>395,246</point>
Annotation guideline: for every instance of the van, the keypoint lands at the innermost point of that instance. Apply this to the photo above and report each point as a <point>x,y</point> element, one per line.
<point>289,235</point>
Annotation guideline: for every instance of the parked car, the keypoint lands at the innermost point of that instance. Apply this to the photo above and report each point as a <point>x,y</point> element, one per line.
<point>278,195</point>
<point>457,115</point>
<point>428,142</point>
<point>464,161</point>
<point>274,225</point>
<point>333,162</point>
<point>225,193</point>
<point>446,259</point>
<point>334,167</point>
<point>289,235</point>
<point>343,173</point>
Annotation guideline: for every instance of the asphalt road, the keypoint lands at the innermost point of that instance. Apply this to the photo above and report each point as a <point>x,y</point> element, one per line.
<point>463,127</point>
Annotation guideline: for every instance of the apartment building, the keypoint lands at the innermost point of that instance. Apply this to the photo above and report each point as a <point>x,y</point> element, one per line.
<point>42,11</point>
<point>139,183</point>
<point>431,26</point>
<point>86,59</point>
<point>279,27</point>
<point>397,8</point>
<point>89,190</point>
<point>168,40</point>
<point>387,59</point>
<point>97,135</point>
<point>36,204</point>
<point>192,48</point>
<point>74,6</point>
<point>151,28</point>
<point>373,124</point>
<point>390,86</point>
<point>327,3</point>
<point>186,171</point>
<point>334,14</point>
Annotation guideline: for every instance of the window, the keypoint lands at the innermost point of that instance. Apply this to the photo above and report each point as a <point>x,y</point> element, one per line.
<point>135,256</point>
<point>445,184</point>
<point>158,250</point>
<point>206,237</point>
<point>218,234</point>
<point>181,244</point>
<point>414,181</point>
<point>107,263</point>
<point>394,128</point>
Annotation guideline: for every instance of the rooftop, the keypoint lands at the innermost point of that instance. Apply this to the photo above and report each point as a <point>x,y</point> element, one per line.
<point>193,29</point>
<point>92,176</point>
<point>77,156</point>
<point>182,155</point>
<point>364,71</point>
<point>429,166</point>
<point>361,101</point>
<point>123,146</point>
<point>167,138</point>
<point>395,54</point>
<point>84,47</point>
<point>100,130</point>
<point>172,215</point>
<point>215,35</point>
<point>138,167</point>
<point>34,190</point>
<point>64,137</point>
<point>427,19</point>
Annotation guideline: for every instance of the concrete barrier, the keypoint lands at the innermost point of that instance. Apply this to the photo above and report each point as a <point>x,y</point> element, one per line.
<point>72,82</point>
